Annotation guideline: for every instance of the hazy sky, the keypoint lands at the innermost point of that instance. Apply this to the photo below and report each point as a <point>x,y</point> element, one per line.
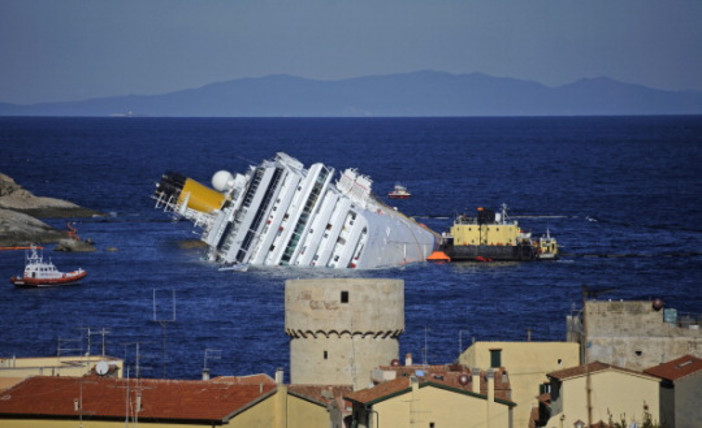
<point>57,50</point>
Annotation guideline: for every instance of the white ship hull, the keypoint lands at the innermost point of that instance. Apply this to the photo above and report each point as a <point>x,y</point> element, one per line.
<point>281,214</point>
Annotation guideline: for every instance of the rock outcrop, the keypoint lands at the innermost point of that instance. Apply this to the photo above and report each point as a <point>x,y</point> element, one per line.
<point>19,225</point>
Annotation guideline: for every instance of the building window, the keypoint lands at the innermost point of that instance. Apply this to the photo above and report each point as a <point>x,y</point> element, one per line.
<point>495,358</point>
<point>344,297</point>
<point>325,355</point>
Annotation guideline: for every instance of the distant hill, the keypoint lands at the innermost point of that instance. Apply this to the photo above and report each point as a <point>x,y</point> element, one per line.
<point>422,93</point>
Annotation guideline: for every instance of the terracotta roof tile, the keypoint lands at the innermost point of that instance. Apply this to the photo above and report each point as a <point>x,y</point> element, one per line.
<point>578,370</point>
<point>384,389</point>
<point>254,379</point>
<point>106,397</point>
<point>445,375</point>
<point>677,368</point>
<point>449,375</point>
<point>593,367</point>
<point>321,394</point>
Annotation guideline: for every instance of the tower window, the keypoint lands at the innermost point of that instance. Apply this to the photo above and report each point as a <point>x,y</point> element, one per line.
<point>344,297</point>
<point>495,358</point>
<point>325,355</point>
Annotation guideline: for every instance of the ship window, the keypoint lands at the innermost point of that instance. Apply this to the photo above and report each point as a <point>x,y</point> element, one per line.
<point>497,228</point>
<point>344,297</point>
<point>336,258</point>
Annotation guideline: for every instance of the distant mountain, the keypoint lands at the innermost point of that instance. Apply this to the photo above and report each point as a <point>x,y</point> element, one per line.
<point>422,93</point>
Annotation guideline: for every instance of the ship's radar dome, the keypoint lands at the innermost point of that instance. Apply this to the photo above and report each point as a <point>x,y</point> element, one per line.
<point>222,181</point>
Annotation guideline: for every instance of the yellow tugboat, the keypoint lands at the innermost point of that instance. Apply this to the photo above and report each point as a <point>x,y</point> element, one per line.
<point>491,236</point>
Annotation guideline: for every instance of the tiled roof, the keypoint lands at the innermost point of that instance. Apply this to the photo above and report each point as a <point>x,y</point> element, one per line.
<point>449,375</point>
<point>385,389</point>
<point>677,368</point>
<point>254,379</point>
<point>106,398</point>
<point>320,394</point>
<point>594,367</point>
<point>439,376</point>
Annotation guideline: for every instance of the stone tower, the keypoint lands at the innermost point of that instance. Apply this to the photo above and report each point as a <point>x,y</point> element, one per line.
<point>342,329</point>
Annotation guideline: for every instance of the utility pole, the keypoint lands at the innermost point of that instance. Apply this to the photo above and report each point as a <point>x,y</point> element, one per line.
<point>588,380</point>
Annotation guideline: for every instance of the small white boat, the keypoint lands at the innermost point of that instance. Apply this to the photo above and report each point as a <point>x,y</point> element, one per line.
<point>38,273</point>
<point>399,192</point>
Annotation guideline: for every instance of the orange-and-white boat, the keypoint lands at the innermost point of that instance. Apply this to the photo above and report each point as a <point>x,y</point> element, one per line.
<point>38,273</point>
<point>399,192</point>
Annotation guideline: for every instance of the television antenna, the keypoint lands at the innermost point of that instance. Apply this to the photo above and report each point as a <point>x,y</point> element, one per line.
<point>68,345</point>
<point>426,345</point>
<point>213,354</point>
<point>164,322</point>
<point>90,332</point>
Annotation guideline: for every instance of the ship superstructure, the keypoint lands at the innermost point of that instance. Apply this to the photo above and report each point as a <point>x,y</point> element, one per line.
<point>491,236</point>
<point>281,214</point>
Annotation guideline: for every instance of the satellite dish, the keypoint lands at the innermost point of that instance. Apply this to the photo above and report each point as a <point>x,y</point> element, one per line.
<point>101,368</point>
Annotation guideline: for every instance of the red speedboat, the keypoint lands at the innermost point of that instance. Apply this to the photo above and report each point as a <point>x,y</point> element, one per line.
<point>38,273</point>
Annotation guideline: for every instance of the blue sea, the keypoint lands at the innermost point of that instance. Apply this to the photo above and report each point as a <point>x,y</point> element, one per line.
<point>621,194</point>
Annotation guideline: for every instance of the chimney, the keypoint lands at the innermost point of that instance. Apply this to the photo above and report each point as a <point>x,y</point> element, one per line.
<point>476,381</point>
<point>491,385</point>
<point>408,359</point>
<point>279,376</point>
<point>490,396</point>
<point>414,382</point>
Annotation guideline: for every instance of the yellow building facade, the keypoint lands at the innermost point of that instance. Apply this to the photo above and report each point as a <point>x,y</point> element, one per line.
<point>527,364</point>
<point>14,370</point>
<point>616,395</point>
<point>408,403</point>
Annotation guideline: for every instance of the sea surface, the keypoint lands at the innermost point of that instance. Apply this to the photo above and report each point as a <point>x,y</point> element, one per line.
<point>623,196</point>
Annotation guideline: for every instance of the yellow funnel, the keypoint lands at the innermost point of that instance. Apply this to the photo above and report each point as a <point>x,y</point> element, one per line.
<point>199,197</point>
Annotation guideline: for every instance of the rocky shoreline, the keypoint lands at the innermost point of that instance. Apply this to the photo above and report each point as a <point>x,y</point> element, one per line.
<point>20,211</point>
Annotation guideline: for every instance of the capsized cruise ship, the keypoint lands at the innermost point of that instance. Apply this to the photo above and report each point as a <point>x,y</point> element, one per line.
<point>280,214</point>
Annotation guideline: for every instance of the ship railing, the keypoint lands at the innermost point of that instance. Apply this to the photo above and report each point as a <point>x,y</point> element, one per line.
<point>181,209</point>
<point>688,320</point>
